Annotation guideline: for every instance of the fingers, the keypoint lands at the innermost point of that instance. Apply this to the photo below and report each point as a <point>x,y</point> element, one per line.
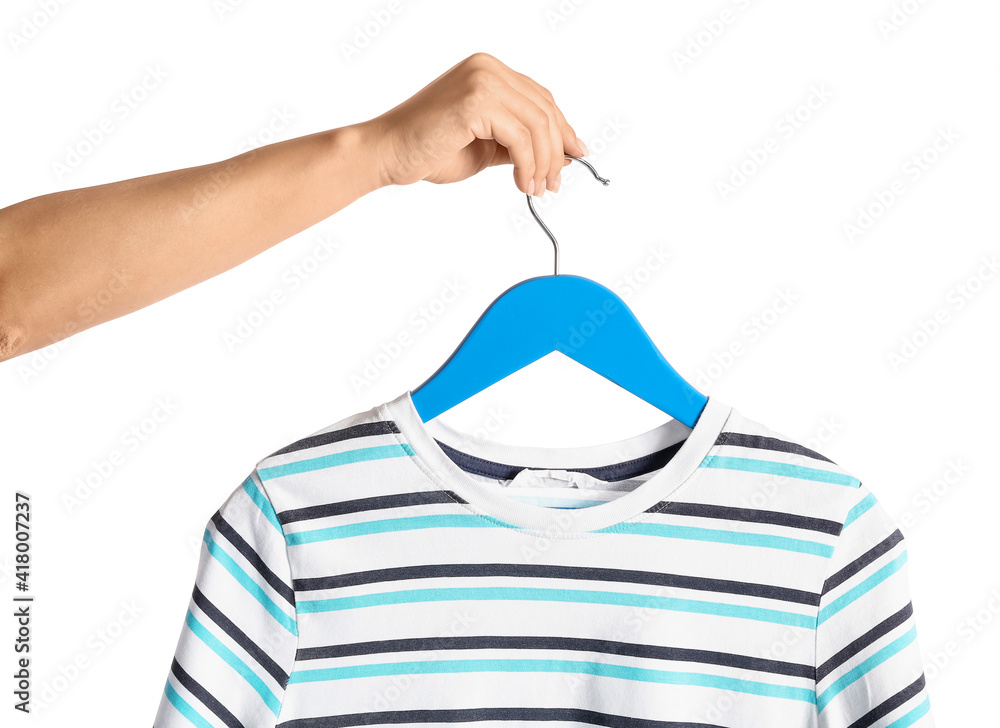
<point>563,136</point>
<point>546,145</point>
<point>518,140</point>
<point>531,127</point>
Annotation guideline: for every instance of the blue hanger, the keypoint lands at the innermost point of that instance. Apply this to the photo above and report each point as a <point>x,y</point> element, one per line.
<point>569,314</point>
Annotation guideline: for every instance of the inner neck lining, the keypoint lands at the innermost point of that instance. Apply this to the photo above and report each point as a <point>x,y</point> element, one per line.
<point>424,440</point>
<point>613,472</point>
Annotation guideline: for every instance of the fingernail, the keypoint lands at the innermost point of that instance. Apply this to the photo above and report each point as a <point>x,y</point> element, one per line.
<point>531,187</point>
<point>586,152</point>
<point>542,190</point>
<point>558,183</point>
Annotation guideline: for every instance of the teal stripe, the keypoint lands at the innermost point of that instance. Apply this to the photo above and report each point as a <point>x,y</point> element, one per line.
<point>861,589</point>
<point>269,698</point>
<point>774,468</point>
<point>582,596</point>
<point>913,716</point>
<point>425,667</point>
<point>860,509</point>
<point>334,459</point>
<point>262,502</point>
<point>256,591</point>
<point>696,533</point>
<point>185,709</point>
<point>366,528</point>
<point>865,667</point>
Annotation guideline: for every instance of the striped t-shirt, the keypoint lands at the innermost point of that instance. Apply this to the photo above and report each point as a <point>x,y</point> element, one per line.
<point>388,571</point>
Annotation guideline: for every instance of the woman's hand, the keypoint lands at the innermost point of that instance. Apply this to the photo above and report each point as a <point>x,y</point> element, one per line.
<point>477,114</point>
<point>64,255</point>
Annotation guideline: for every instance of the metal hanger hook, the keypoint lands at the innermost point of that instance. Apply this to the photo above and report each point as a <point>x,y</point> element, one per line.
<point>531,206</point>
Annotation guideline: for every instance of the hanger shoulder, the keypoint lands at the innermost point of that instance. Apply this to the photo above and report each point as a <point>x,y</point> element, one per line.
<point>576,316</point>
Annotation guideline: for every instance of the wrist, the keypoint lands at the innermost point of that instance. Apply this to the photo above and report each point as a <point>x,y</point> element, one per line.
<point>354,151</point>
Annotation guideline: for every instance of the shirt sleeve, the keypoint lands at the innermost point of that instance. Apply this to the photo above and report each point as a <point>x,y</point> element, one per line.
<point>869,670</point>
<point>238,642</point>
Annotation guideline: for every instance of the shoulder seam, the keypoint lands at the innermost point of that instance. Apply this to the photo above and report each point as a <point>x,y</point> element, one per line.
<point>291,578</point>
<point>826,575</point>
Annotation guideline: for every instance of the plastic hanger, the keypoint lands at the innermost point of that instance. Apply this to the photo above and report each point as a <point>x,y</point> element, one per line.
<point>575,316</point>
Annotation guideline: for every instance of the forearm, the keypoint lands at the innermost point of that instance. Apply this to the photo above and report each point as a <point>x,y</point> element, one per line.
<point>74,259</point>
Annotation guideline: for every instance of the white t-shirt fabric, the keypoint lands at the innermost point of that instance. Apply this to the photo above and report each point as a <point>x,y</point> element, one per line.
<point>387,571</point>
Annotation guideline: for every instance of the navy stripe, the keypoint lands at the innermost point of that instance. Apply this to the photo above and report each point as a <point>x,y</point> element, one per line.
<point>759,442</point>
<point>616,471</point>
<point>546,571</point>
<point>882,628</point>
<point>546,642</point>
<point>439,497</point>
<point>253,557</point>
<point>209,700</point>
<point>900,698</point>
<point>365,429</point>
<point>469,715</point>
<point>373,503</point>
<point>749,515</point>
<point>240,637</point>
<point>862,561</point>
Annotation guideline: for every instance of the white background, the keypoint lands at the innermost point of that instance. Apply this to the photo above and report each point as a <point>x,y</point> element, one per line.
<point>921,433</point>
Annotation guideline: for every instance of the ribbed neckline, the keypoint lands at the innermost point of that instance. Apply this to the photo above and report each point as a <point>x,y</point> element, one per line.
<point>423,438</point>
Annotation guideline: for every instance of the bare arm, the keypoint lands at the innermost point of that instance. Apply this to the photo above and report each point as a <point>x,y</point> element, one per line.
<point>71,260</point>
<point>74,259</point>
